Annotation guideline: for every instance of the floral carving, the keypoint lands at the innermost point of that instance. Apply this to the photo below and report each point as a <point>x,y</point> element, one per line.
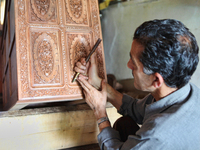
<point>43,10</point>
<point>77,10</point>
<point>42,6</point>
<point>79,48</point>
<point>45,57</point>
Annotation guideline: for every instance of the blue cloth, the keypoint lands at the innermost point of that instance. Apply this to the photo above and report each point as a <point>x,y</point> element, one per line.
<point>172,123</point>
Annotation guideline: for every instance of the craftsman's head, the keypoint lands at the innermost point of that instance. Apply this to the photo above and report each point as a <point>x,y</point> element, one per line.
<point>169,48</point>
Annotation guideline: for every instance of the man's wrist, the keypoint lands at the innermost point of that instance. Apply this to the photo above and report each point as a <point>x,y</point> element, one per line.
<point>100,113</point>
<point>101,120</point>
<point>104,124</point>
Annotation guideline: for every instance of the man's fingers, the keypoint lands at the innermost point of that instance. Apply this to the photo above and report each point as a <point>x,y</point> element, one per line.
<point>80,65</point>
<point>83,61</point>
<point>83,85</point>
<point>88,101</point>
<point>84,77</point>
<point>84,82</point>
<point>79,70</point>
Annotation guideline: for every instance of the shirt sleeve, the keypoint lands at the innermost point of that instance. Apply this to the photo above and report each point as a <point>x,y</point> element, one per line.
<point>134,108</point>
<point>109,139</point>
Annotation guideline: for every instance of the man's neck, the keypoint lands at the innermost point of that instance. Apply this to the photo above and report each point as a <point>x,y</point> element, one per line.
<point>162,92</point>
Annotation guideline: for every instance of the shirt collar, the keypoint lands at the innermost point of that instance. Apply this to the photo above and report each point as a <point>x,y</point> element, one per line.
<point>175,97</point>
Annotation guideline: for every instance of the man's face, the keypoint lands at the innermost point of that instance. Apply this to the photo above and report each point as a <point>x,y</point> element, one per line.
<point>141,80</point>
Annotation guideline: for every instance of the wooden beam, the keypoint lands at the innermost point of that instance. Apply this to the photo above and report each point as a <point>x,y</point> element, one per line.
<point>50,128</point>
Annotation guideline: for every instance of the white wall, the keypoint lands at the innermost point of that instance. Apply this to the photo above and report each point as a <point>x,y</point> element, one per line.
<point>119,22</point>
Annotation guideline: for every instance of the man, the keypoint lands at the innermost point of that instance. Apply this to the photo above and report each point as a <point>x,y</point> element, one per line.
<point>163,57</point>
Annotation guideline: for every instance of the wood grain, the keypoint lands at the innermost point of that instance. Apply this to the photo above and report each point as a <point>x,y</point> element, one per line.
<point>50,128</point>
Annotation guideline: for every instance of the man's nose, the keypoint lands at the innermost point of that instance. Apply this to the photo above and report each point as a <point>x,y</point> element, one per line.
<point>129,64</point>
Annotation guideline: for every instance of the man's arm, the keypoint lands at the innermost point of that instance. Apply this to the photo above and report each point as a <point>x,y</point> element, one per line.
<point>114,97</point>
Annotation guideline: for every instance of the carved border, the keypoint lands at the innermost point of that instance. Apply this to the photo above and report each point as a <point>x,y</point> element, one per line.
<point>97,34</point>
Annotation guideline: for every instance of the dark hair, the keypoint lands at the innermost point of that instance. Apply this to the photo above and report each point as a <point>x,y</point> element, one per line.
<point>169,49</point>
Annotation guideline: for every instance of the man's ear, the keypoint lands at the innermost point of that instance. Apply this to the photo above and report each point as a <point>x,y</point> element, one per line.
<point>158,80</point>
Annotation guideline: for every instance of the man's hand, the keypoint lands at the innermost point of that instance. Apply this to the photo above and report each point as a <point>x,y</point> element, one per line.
<point>94,98</point>
<point>89,70</point>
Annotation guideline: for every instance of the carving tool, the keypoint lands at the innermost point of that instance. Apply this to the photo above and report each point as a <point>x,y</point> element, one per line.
<point>88,57</point>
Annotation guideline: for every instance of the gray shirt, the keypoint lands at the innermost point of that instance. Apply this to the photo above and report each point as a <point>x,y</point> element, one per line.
<point>172,123</point>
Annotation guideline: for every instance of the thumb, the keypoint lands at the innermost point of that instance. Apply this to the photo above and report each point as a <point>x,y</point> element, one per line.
<point>103,86</point>
<point>93,60</point>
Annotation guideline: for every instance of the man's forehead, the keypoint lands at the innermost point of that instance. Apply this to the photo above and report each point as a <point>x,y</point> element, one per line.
<point>136,49</point>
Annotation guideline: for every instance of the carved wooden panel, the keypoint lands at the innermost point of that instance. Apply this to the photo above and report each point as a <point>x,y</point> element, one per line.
<point>77,12</point>
<point>46,61</point>
<point>51,36</point>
